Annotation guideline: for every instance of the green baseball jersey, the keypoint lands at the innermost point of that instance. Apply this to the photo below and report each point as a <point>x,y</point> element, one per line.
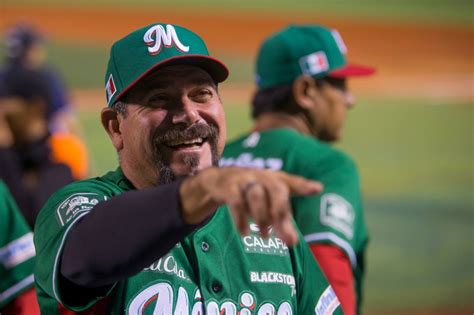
<point>335,216</point>
<point>213,270</point>
<point>17,251</point>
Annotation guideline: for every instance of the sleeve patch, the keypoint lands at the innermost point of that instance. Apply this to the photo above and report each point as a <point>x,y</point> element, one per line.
<point>337,213</point>
<point>76,204</point>
<point>327,302</point>
<point>17,251</point>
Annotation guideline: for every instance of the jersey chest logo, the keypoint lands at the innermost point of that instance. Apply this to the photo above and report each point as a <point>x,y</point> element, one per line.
<point>168,265</point>
<point>248,160</point>
<point>159,299</point>
<point>272,245</point>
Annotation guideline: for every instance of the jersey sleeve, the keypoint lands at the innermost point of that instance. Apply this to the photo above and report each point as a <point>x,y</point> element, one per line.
<point>17,251</point>
<point>64,209</point>
<point>314,293</point>
<point>335,216</point>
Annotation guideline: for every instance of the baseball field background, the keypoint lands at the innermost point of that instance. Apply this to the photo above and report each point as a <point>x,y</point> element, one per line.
<point>411,131</point>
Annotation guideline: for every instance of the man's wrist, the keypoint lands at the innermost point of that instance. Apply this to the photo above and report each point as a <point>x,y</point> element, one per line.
<point>196,201</point>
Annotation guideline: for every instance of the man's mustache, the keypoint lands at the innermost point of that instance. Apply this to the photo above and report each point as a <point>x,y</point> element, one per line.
<point>199,130</point>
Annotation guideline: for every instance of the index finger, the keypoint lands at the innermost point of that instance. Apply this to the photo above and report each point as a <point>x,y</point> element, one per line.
<point>300,186</point>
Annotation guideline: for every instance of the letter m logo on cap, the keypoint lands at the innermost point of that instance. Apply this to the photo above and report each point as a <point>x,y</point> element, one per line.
<point>110,88</point>
<point>157,36</point>
<point>314,63</point>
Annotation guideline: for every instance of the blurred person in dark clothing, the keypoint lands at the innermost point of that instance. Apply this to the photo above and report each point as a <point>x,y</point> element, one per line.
<point>25,156</point>
<point>26,51</point>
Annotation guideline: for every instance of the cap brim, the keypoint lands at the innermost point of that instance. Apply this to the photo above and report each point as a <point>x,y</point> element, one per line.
<point>216,69</point>
<point>352,70</point>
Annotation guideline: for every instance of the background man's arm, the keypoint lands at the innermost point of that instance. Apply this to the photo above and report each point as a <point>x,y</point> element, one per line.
<point>337,268</point>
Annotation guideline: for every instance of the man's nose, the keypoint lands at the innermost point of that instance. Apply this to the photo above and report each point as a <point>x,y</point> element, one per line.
<point>350,99</point>
<point>186,113</point>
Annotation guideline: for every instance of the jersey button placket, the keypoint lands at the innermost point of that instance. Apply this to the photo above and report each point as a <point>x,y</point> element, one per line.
<point>216,287</point>
<point>205,247</point>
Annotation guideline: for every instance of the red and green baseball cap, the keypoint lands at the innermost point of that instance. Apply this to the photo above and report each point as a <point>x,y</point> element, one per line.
<point>313,50</point>
<point>152,47</point>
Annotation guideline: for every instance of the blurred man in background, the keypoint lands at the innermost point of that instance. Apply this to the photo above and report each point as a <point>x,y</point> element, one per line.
<point>26,51</point>
<point>26,165</point>
<point>300,106</point>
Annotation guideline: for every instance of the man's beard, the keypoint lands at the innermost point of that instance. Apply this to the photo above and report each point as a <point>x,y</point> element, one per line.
<point>208,132</point>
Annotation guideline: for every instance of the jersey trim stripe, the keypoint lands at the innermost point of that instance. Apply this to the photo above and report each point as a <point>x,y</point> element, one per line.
<point>329,236</point>
<point>17,251</point>
<point>60,249</point>
<point>8,293</point>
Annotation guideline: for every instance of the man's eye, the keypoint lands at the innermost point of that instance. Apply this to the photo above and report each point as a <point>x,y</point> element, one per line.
<point>158,99</point>
<point>203,94</point>
<point>339,84</point>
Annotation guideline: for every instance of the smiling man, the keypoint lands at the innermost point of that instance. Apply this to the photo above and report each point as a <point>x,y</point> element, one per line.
<point>186,140</point>
<point>157,235</point>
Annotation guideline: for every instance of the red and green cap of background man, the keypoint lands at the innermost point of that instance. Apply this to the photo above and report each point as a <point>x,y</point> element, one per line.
<point>298,50</point>
<point>154,46</point>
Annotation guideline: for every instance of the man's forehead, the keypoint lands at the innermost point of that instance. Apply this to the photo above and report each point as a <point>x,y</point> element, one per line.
<point>173,75</point>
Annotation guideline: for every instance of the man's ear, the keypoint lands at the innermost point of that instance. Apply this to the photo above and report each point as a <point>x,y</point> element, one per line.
<point>111,121</point>
<point>305,92</point>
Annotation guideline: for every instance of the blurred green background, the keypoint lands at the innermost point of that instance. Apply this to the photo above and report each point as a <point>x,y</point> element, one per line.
<point>435,11</point>
<point>415,154</point>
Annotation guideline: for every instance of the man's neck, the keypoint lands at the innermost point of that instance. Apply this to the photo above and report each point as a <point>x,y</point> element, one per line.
<point>281,120</point>
<point>139,181</point>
